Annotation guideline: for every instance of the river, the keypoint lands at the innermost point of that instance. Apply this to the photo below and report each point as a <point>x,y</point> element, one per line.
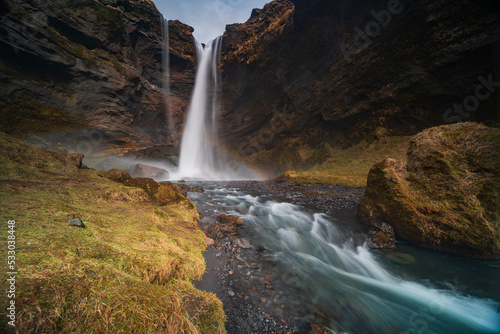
<point>320,262</point>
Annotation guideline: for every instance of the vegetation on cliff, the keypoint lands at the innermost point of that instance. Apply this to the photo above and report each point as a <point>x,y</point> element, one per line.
<point>129,270</point>
<point>446,195</point>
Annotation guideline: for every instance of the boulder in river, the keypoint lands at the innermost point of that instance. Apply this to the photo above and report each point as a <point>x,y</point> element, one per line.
<point>446,196</point>
<point>381,236</point>
<point>226,226</point>
<point>145,171</point>
<point>197,189</point>
<point>242,243</point>
<point>229,219</point>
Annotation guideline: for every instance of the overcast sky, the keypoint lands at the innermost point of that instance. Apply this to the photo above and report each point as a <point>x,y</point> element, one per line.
<point>208,17</point>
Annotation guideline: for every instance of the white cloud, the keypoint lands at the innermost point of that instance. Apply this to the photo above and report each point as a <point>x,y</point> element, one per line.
<point>208,17</point>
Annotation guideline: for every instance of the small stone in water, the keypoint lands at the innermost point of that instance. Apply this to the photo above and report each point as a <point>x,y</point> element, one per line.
<point>231,293</point>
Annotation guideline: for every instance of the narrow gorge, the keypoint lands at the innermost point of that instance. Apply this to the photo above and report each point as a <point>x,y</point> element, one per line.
<point>323,167</point>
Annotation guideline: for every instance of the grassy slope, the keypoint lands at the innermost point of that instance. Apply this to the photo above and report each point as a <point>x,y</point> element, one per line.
<point>351,166</point>
<point>128,271</point>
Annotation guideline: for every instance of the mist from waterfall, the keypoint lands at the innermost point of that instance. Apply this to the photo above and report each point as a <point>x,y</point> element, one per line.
<point>200,155</point>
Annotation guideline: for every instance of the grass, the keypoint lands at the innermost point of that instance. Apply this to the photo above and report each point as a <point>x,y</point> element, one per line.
<point>350,167</point>
<point>129,270</point>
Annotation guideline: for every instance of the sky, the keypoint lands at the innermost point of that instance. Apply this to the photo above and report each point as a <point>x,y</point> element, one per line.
<point>208,17</point>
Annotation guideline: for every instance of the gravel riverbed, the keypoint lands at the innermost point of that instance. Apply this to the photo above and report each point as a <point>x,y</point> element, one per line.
<point>254,302</point>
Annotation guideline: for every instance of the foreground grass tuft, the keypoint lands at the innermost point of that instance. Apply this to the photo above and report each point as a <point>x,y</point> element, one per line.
<point>128,271</point>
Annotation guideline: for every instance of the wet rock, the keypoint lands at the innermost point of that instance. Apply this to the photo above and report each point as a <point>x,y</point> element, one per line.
<point>183,188</point>
<point>381,236</point>
<point>145,171</point>
<point>229,219</point>
<point>77,223</point>
<point>219,231</point>
<point>317,329</point>
<point>197,189</point>
<point>242,243</point>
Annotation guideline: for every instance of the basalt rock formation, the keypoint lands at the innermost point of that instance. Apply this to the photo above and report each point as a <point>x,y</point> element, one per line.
<point>446,196</point>
<point>300,77</point>
<point>88,75</point>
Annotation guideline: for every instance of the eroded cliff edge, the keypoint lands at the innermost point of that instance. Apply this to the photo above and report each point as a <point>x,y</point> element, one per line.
<point>301,77</point>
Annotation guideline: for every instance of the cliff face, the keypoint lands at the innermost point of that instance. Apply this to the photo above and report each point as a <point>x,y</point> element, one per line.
<point>93,65</point>
<point>303,76</point>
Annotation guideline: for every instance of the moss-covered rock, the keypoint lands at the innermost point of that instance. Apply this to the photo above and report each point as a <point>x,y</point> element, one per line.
<point>446,196</point>
<point>167,195</point>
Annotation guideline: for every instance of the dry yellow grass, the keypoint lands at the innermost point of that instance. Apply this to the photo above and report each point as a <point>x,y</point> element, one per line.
<point>129,271</point>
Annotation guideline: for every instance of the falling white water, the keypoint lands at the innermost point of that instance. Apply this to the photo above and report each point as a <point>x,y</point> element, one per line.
<point>166,74</point>
<point>200,157</point>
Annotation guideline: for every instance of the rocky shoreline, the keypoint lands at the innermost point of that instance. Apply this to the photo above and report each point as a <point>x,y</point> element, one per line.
<point>241,278</point>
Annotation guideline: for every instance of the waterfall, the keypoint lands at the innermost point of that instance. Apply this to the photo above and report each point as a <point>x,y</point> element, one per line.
<point>201,156</point>
<point>198,157</point>
<point>166,74</point>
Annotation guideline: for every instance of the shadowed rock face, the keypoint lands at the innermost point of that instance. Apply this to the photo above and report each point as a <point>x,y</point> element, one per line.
<point>446,195</point>
<point>87,64</point>
<point>300,74</point>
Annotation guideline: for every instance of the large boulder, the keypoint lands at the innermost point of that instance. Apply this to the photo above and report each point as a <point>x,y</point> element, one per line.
<point>145,171</point>
<point>446,196</point>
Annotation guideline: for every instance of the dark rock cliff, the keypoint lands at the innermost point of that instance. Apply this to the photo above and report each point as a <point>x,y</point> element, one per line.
<point>68,65</point>
<point>302,76</point>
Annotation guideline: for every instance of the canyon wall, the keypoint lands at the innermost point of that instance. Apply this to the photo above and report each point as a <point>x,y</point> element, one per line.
<point>302,77</point>
<point>88,75</point>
